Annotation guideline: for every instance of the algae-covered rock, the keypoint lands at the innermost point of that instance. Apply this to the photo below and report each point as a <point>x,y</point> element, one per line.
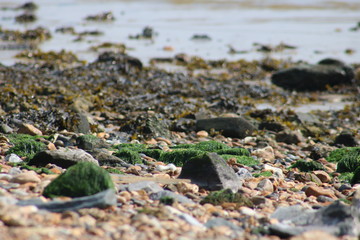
<point>129,156</point>
<point>307,166</point>
<point>338,154</point>
<point>82,179</point>
<point>234,151</point>
<point>226,196</point>
<point>25,145</point>
<point>211,146</point>
<point>89,142</point>
<point>356,177</point>
<point>180,156</point>
<point>243,160</point>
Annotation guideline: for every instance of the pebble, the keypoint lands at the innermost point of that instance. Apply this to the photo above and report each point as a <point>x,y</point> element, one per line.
<point>323,176</point>
<point>266,185</point>
<point>26,177</point>
<point>202,133</point>
<point>13,158</point>
<point>265,154</point>
<point>318,191</point>
<point>29,129</point>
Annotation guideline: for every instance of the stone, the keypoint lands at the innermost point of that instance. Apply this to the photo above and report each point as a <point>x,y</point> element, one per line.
<point>314,234</point>
<point>266,185</point>
<point>328,72</point>
<point>277,172</point>
<point>289,137</point>
<point>90,142</point>
<point>265,154</point>
<point>168,194</point>
<point>64,157</point>
<point>244,174</point>
<point>258,200</point>
<point>101,199</point>
<point>26,177</point>
<point>318,191</point>
<point>105,158</point>
<point>13,158</point>
<point>202,133</point>
<point>346,138</point>
<point>271,126</point>
<point>229,127</point>
<point>214,222</point>
<point>148,186</point>
<point>29,129</point>
<point>4,128</point>
<point>186,217</point>
<point>210,171</point>
<point>184,187</point>
<point>323,176</point>
<point>82,179</point>
<point>120,59</point>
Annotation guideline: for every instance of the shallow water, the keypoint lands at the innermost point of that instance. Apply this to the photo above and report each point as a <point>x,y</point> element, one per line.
<point>318,29</point>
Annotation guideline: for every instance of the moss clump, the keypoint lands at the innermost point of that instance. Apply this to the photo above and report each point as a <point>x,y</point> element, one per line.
<point>25,145</point>
<point>131,146</point>
<point>263,174</point>
<point>167,200</point>
<point>243,160</point>
<point>305,166</point>
<point>153,153</point>
<point>234,151</point>
<point>82,179</point>
<point>349,162</point>
<point>88,141</point>
<point>114,170</point>
<point>211,146</point>
<point>179,157</point>
<point>356,177</point>
<point>338,154</point>
<point>183,146</point>
<point>226,196</point>
<point>23,165</point>
<point>346,177</point>
<point>129,156</point>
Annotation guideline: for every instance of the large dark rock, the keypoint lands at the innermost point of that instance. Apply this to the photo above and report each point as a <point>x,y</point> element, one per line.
<point>328,72</point>
<point>63,157</point>
<point>346,138</point>
<point>105,158</point>
<point>210,171</point>
<point>102,199</point>
<point>229,127</point>
<point>120,58</point>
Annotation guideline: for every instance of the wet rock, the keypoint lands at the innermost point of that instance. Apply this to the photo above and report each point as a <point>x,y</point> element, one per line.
<point>26,18</point>
<point>105,158</point>
<point>289,137</point>
<point>29,129</point>
<point>101,199</point>
<point>346,138</point>
<point>29,6</point>
<point>105,16</point>
<point>120,58</point>
<point>337,219</point>
<point>200,37</point>
<point>168,194</point>
<point>147,33</point>
<point>271,126</point>
<point>82,179</point>
<point>13,158</point>
<point>210,171</point>
<point>328,72</point>
<point>229,127</point>
<point>64,157</point>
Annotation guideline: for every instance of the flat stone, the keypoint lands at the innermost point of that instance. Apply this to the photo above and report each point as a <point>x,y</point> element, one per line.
<point>323,176</point>
<point>63,157</point>
<point>266,185</point>
<point>211,172</point>
<point>215,222</point>
<point>229,127</point>
<point>102,199</point>
<point>26,177</point>
<point>265,154</point>
<point>148,186</point>
<point>165,193</point>
<point>318,191</point>
<point>29,129</point>
<point>13,158</point>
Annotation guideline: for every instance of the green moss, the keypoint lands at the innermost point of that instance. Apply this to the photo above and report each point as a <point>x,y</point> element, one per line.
<point>129,156</point>
<point>349,162</point>
<point>209,146</point>
<point>179,157</point>
<point>305,166</point>
<point>131,146</point>
<point>183,146</point>
<point>23,165</point>
<point>167,200</point>
<point>294,190</point>
<point>263,174</point>
<point>338,154</point>
<point>234,151</point>
<point>244,160</point>
<point>356,178</point>
<point>82,179</point>
<point>226,196</point>
<point>114,170</point>
<point>25,145</point>
<point>346,177</point>
<point>344,200</point>
<point>153,153</point>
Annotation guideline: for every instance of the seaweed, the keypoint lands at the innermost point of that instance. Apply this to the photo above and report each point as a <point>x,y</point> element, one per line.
<point>307,166</point>
<point>227,196</point>
<point>180,156</point>
<point>129,156</point>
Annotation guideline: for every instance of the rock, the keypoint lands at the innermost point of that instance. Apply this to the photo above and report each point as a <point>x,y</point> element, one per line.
<point>244,174</point>
<point>64,157</point>
<point>202,133</point>
<point>90,142</point>
<point>210,171</point>
<point>258,200</point>
<point>265,154</point>
<point>148,186</point>
<point>288,137</point>
<point>318,191</point>
<point>314,234</point>
<point>105,158</point>
<point>323,176</point>
<point>186,217</point>
<point>26,177</point>
<point>29,129</point>
<point>229,127</point>
<point>277,172</point>
<point>324,199</point>
<point>337,219</point>
<point>266,185</point>
<point>82,179</point>
<point>168,194</point>
<point>101,199</point>
<point>227,196</point>
<point>4,128</point>
<point>169,167</point>
<point>271,126</point>
<point>120,59</point>
<point>13,158</point>
<point>328,72</point>
<point>346,138</point>
<point>184,187</point>
<point>214,222</point>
